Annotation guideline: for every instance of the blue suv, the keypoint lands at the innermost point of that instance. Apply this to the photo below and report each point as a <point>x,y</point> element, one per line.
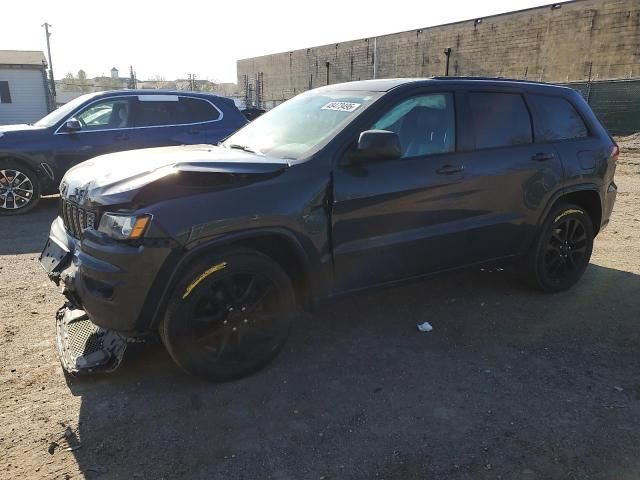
<point>34,158</point>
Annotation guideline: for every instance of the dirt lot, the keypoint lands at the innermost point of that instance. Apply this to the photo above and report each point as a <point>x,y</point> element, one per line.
<point>511,384</point>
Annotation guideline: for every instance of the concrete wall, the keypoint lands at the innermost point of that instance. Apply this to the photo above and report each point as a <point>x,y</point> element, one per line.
<point>28,96</point>
<point>550,44</point>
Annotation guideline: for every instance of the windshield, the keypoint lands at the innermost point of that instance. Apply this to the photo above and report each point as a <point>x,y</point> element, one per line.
<point>301,124</point>
<point>58,114</point>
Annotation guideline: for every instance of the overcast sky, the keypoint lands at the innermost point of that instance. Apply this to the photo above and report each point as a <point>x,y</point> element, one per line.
<point>174,38</point>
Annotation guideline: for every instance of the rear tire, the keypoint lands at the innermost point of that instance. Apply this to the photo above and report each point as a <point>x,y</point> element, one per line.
<point>19,188</point>
<point>229,315</point>
<point>562,250</point>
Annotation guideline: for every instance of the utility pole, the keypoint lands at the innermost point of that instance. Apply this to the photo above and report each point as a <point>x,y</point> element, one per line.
<point>447,52</point>
<point>133,83</point>
<point>192,81</point>
<point>53,83</point>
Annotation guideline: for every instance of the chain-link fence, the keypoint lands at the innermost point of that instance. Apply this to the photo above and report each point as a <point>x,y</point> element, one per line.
<point>615,102</point>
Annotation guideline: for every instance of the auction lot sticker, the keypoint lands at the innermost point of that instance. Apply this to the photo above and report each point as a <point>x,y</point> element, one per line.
<point>341,106</point>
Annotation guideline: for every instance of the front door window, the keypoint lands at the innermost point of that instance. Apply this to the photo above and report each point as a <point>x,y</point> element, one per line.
<point>424,123</point>
<point>109,114</point>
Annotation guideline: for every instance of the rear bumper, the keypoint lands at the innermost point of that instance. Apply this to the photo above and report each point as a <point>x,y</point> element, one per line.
<point>608,200</point>
<point>109,280</point>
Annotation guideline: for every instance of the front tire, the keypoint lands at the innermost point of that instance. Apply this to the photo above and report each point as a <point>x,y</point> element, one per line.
<point>19,188</point>
<point>229,315</point>
<point>561,253</point>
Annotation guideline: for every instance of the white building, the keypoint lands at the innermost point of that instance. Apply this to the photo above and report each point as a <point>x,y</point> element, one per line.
<point>24,94</point>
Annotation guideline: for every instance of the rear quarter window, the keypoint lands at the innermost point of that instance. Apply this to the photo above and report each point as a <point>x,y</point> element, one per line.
<point>196,110</point>
<point>556,119</point>
<point>499,119</point>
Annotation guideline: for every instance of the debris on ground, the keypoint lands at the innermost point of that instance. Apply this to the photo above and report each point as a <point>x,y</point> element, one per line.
<point>424,327</point>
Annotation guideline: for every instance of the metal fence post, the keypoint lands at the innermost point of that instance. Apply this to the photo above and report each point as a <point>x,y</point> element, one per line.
<point>589,82</point>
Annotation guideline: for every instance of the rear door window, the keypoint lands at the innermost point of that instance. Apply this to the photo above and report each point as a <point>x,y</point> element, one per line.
<point>556,119</point>
<point>499,119</point>
<point>197,110</point>
<point>157,110</point>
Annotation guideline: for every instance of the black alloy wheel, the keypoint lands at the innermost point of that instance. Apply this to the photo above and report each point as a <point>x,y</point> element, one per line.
<point>561,254</point>
<point>566,249</point>
<point>230,316</point>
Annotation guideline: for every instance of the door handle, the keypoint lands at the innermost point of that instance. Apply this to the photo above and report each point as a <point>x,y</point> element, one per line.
<point>541,157</point>
<point>121,136</point>
<point>449,169</point>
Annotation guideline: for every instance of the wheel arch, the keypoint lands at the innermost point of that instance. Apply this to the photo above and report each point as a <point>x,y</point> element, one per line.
<point>20,158</point>
<point>586,196</point>
<point>46,179</point>
<point>280,244</point>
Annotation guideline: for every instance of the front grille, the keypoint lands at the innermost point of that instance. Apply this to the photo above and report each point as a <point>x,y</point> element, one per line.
<point>84,338</point>
<point>76,218</point>
<point>84,347</point>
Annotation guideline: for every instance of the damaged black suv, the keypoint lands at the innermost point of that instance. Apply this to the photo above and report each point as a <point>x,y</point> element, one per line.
<point>342,188</point>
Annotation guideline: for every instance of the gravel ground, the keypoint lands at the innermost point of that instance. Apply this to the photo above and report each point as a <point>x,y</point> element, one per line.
<point>510,384</point>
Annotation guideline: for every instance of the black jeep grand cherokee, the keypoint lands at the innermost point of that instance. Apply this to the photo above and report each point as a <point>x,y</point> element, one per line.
<point>342,188</point>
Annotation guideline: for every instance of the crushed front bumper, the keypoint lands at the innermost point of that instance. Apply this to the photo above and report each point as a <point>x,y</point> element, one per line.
<point>106,284</point>
<point>109,280</point>
<point>83,347</point>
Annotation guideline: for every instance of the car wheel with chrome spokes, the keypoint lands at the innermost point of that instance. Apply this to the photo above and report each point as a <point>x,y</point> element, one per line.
<point>19,188</point>
<point>229,316</point>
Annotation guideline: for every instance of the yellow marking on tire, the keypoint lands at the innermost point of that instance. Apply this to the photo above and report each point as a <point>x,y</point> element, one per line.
<point>202,276</point>
<point>567,212</point>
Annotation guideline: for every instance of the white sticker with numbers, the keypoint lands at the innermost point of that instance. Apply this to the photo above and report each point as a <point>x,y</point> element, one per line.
<point>341,106</point>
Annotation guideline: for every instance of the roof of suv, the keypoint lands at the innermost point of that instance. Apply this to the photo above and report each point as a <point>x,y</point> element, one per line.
<point>148,91</point>
<point>386,84</point>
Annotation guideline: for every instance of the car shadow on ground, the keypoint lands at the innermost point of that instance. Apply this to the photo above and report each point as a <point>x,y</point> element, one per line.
<point>509,384</point>
<point>28,233</point>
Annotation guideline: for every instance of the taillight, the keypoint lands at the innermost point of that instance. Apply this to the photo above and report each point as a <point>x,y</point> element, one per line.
<point>615,152</point>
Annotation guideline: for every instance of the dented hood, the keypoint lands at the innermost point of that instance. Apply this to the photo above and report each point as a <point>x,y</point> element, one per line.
<point>108,178</point>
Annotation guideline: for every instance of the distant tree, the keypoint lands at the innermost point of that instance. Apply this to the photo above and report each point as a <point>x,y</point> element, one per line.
<point>69,84</point>
<point>208,86</point>
<point>83,82</point>
<point>76,84</point>
<point>159,81</point>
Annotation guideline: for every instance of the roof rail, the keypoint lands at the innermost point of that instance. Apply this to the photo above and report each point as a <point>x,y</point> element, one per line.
<point>502,79</point>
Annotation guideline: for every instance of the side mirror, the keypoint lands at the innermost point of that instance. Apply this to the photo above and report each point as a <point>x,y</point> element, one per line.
<point>73,125</point>
<point>376,145</point>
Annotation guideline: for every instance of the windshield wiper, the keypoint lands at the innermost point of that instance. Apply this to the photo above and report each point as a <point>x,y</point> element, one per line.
<point>244,148</point>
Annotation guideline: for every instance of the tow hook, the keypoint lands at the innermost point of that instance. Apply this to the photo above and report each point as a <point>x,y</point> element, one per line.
<point>85,348</point>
